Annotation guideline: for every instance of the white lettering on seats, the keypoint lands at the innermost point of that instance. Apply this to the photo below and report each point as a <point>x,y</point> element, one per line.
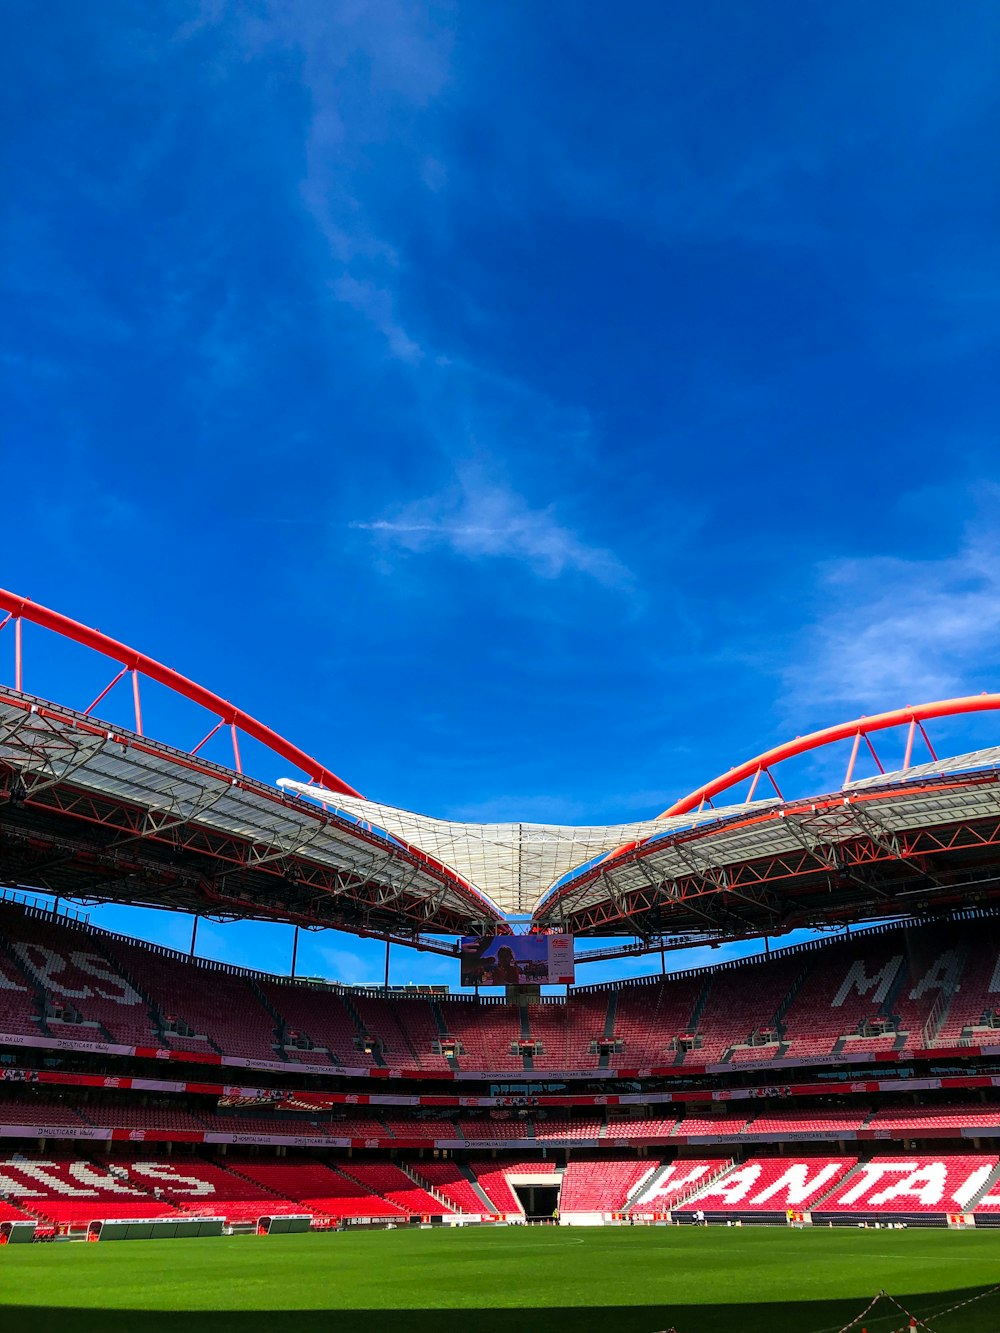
<point>972,1184</point>
<point>95,966</point>
<point>871,1174</point>
<point>796,1185</point>
<point>11,1185</point>
<point>675,1180</point>
<point>926,1184</point>
<point>36,1171</point>
<point>731,1189</point>
<point>857,979</point>
<point>47,965</point>
<point>166,1175</point>
<point>6,982</point>
<point>86,1175</point>
<point>943,973</point>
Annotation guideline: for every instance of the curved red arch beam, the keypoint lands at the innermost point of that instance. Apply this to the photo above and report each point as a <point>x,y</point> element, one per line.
<point>22,608</point>
<point>860,727</point>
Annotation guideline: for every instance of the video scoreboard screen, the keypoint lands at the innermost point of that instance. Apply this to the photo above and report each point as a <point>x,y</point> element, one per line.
<point>517,960</point>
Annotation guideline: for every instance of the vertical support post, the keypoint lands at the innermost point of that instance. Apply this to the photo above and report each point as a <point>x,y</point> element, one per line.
<point>663,959</point>
<point>295,949</point>
<point>854,757</point>
<point>136,702</point>
<point>909,743</point>
<point>18,664</point>
<point>386,986</point>
<point>236,749</point>
<point>194,936</point>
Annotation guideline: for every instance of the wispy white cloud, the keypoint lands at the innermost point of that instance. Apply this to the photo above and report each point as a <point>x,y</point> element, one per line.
<point>481,520</point>
<point>893,631</point>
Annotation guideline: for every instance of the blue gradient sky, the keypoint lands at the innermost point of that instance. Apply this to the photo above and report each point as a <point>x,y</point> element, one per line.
<point>530,409</point>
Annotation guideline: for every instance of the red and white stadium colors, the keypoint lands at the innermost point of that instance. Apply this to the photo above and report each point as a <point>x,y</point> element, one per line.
<point>880,997</point>
<point>661,1098</point>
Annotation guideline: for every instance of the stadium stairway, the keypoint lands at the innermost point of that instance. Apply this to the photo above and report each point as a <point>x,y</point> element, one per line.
<point>155,1017</point>
<point>991,1182</point>
<point>938,1016</point>
<point>604,1061</point>
<point>642,1186</point>
<point>448,1205</point>
<point>279,1023</point>
<point>840,1184</point>
<point>17,969</point>
<point>470,1175</point>
<point>702,1184</point>
<point>789,1000</point>
<point>443,1032</point>
<point>356,1019</point>
<point>527,1060</point>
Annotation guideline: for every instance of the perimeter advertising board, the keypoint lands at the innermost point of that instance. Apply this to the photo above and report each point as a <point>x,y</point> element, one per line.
<point>517,960</point>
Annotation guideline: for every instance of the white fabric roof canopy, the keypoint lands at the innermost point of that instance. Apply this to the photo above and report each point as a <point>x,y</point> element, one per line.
<point>513,864</point>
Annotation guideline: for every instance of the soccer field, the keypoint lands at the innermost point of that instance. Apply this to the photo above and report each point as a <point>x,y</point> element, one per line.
<point>757,1281</point>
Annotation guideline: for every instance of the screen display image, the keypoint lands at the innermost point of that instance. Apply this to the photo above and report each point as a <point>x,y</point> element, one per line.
<point>517,960</point>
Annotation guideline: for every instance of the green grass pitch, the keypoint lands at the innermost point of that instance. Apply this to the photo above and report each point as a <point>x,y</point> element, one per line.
<point>487,1280</point>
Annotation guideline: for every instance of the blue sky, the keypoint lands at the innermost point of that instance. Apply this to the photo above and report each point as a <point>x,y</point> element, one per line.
<point>532,410</point>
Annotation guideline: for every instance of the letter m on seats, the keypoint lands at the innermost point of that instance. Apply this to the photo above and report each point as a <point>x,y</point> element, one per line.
<point>858,980</point>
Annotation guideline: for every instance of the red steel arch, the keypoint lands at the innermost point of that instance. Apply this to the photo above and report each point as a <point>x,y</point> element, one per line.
<point>860,730</point>
<point>21,608</point>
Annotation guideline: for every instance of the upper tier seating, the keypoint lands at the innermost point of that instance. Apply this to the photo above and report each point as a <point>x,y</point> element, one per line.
<point>916,1118</point>
<point>485,1032</point>
<point>650,1015</point>
<point>19,1014</point>
<point>925,984</point>
<point>896,977</point>
<point>35,1111</point>
<point>978,994</point>
<point>641,1129</point>
<point>698,1125</point>
<point>601,1186</point>
<point>579,1125</point>
<point>320,1015</point>
<point>772,1184</point>
<point>911,1185</point>
<point>808,1122</point>
<point>733,1010</point>
<point>132,1116</point>
<point>78,978</point>
<point>218,1006</point>
<point>406,1029</point>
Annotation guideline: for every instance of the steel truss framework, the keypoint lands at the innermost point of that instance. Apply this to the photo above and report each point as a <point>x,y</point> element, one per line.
<point>108,814</point>
<point>865,855</point>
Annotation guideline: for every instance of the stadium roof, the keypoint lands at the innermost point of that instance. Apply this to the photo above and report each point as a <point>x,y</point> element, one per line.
<point>923,838</point>
<point>514,864</point>
<point>95,811</point>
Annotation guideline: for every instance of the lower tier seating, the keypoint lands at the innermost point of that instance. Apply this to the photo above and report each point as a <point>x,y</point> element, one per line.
<point>601,1186</point>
